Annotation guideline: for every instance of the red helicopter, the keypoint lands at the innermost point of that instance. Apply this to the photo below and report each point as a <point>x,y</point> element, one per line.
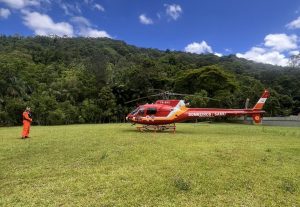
<point>160,115</point>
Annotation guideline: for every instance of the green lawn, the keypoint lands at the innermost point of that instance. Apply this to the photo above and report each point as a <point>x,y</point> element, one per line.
<point>114,165</point>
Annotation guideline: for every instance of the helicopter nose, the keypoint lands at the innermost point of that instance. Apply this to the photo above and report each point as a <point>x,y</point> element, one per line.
<point>128,118</point>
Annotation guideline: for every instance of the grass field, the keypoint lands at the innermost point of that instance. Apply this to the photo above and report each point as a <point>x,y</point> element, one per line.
<point>114,165</point>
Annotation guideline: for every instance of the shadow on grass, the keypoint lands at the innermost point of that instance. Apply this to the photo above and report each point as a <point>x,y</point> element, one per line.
<point>20,138</point>
<point>158,132</point>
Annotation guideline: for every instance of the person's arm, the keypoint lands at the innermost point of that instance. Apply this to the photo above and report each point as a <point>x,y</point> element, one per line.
<point>26,117</point>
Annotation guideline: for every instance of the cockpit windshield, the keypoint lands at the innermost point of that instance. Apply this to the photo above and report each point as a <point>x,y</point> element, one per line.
<point>141,112</point>
<point>134,111</point>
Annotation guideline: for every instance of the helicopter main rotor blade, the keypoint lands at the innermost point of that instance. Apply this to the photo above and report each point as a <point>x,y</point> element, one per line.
<point>143,98</point>
<point>166,94</point>
<point>183,94</point>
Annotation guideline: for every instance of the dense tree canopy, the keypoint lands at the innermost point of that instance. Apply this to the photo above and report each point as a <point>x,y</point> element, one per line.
<point>89,80</point>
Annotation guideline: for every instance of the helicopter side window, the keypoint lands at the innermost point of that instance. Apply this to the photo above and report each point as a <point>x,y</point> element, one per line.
<point>141,112</point>
<point>151,111</point>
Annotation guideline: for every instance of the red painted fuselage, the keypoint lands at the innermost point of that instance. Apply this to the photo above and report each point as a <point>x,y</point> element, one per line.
<point>172,111</point>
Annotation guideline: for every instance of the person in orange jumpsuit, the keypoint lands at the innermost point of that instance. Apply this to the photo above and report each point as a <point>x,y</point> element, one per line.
<point>26,122</point>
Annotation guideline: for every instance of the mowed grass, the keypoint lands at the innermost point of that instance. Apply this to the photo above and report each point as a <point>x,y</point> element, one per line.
<point>114,165</point>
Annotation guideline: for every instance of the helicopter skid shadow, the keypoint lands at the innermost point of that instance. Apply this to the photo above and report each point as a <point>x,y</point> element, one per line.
<point>159,132</point>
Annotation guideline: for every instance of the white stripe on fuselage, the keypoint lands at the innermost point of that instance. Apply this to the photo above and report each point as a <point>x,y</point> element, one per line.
<point>262,100</point>
<point>176,108</point>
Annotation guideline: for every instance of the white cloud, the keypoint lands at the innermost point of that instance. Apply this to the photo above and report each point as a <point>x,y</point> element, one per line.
<point>89,32</point>
<point>295,24</point>
<point>84,28</point>
<point>228,50</point>
<point>281,42</point>
<point>218,54</point>
<point>263,55</point>
<point>20,4</point>
<point>198,48</point>
<point>70,9</point>
<point>66,9</point>
<point>145,20</point>
<point>294,52</point>
<point>81,21</point>
<point>4,13</point>
<point>174,11</point>
<point>42,24</point>
<point>277,47</point>
<point>99,7</point>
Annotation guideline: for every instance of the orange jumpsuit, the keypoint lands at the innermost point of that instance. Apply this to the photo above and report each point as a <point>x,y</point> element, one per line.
<point>26,124</point>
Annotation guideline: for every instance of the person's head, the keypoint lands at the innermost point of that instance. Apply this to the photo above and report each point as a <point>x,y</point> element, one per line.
<point>28,108</point>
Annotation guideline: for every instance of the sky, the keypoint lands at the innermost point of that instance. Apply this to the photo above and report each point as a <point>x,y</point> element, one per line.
<point>266,31</point>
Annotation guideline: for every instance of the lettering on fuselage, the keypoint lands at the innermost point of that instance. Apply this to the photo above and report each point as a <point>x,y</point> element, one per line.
<point>165,102</point>
<point>206,114</point>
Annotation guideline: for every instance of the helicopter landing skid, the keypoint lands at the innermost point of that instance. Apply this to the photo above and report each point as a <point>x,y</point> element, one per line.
<point>156,128</point>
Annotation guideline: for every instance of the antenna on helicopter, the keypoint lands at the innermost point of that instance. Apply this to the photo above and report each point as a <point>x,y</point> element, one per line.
<point>247,103</point>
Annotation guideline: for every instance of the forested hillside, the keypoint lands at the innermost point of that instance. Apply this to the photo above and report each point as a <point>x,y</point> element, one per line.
<point>88,80</point>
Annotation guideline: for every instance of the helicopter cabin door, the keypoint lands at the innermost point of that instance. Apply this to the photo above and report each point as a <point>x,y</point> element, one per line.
<point>151,111</point>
